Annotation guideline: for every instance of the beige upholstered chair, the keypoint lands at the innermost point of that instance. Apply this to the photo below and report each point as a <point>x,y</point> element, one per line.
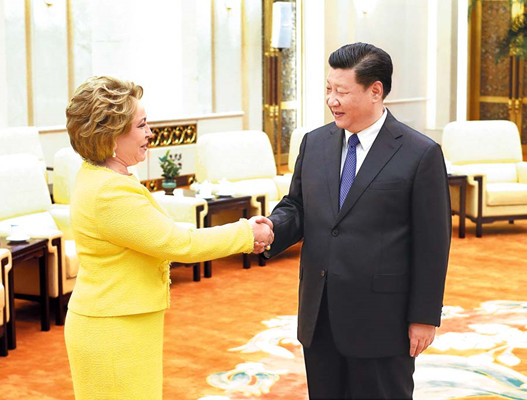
<point>23,139</point>
<point>5,311</point>
<point>489,153</point>
<point>187,211</point>
<point>245,159</point>
<point>26,202</point>
<point>294,147</point>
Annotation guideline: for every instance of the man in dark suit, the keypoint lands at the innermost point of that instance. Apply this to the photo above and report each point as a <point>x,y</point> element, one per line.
<point>374,258</point>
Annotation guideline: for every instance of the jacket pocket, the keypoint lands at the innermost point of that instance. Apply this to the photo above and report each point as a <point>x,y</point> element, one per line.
<point>388,185</point>
<point>391,283</point>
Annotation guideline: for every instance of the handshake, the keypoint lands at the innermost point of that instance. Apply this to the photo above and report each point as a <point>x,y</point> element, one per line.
<point>263,233</point>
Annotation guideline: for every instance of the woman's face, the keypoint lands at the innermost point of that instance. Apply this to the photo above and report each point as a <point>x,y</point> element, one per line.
<point>132,146</point>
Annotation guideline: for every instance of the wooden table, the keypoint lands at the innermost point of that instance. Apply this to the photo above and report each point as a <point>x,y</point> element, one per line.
<point>218,204</point>
<point>461,181</point>
<point>33,248</point>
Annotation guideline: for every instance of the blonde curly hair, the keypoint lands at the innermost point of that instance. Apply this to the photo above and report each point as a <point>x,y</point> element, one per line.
<point>101,109</point>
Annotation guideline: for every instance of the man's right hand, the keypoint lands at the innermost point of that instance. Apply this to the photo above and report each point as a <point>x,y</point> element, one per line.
<point>263,233</point>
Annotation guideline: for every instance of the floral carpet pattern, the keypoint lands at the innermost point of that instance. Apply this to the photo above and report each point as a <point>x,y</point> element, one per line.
<point>474,354</point>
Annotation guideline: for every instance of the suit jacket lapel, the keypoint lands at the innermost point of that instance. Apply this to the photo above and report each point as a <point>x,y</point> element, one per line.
<point>333,152</point>
<point>384,147</point>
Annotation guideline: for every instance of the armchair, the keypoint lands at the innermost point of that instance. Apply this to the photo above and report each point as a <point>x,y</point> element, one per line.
<point>23,139</point>
<point>26,202</point>
<point>294,147</point>
<point>489,153</point>
<point>246,160</point>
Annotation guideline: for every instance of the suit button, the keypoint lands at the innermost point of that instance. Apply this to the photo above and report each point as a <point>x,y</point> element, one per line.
<point>323,273</point>
<point>335,232</point>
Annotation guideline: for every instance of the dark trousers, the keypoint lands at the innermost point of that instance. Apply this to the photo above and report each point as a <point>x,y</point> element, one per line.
<point>332,376</point>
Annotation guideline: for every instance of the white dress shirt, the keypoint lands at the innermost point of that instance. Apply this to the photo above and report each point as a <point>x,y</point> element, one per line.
<point>366,138</point>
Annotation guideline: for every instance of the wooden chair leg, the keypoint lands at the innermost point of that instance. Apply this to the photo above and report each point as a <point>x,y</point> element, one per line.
<point>60,310</point>
<point>196,272</point>
<point>3,341</point>
<point>479,222</point>
<point>479,229</point>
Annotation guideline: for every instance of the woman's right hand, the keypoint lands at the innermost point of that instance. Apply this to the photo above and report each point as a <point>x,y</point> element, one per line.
<point>263,233</point>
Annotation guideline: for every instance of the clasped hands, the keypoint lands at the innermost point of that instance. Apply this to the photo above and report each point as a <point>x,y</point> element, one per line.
<point>263,233</point>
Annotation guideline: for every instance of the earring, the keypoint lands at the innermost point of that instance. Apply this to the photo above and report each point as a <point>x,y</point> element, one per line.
<point>114,155</point>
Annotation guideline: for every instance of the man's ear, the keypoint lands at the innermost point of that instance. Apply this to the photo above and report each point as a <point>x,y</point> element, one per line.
<point>377,91</point>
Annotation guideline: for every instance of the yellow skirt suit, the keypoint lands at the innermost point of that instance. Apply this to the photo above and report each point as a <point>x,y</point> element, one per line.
<point>124,239</point>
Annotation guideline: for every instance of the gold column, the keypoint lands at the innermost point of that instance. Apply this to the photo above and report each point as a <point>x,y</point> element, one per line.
<point>272,91</point>
<point>70,43</point>
<point>213,54</point>
<point>245,78</point>
<point>29,63</point>
<point>516,73</point>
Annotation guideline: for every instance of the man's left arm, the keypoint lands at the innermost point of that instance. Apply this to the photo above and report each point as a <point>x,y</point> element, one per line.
<point>431,233</point>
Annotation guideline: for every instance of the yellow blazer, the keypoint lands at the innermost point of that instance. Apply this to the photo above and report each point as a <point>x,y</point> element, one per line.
<point>125,240</point>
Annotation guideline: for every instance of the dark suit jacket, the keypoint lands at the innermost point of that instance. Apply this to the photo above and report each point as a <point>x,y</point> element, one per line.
<point>384,255</point>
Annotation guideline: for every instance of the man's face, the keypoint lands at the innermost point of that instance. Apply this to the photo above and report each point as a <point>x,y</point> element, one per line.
<point>353,106</point>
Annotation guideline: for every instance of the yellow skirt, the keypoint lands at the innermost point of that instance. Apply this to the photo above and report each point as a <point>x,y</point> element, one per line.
<point>116,357</point>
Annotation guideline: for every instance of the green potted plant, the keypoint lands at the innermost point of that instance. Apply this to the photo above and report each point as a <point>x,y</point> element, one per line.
<point>170,169</point>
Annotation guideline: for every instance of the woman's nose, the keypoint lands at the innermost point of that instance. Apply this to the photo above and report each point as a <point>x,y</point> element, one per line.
<point>149,133</point>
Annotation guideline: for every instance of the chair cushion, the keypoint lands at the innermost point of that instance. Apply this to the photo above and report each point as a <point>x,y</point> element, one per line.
<point>61,216</point>
<point>506,194</point>
<point>23,186</point>
<point>35,225</point>
<point>294,146</point>
<point>66,165</point>
<point>499,172</point>
<point>181,208</point>
<point>255,187</point>
<point>283,182</point>
<point>72,260</point>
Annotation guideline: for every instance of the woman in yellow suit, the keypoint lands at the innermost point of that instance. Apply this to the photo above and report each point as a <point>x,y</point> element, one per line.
<point>124,239</point>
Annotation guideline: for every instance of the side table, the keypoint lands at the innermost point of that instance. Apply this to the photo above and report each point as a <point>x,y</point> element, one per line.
<point>218,204</point>
<point>33,248</point>
<point>461,181</point>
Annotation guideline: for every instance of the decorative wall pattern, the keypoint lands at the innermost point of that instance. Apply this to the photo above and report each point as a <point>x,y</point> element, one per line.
<point>173,135</point>
<point>169,136</point>
<point>494,111</point>
<point>494,24</point>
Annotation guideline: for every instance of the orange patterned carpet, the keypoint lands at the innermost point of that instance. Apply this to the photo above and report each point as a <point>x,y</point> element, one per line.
<point>233,336</point>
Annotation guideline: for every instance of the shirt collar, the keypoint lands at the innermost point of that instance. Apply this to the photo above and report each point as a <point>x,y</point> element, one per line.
<point>368,135</point>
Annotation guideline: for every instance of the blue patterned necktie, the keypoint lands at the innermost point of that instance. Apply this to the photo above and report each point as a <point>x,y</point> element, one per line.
<point>348,172</point>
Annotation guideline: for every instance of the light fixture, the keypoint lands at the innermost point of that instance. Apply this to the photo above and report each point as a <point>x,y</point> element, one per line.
<point>49,3</point>
<point>229,4</point>
<point>364,7</point>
